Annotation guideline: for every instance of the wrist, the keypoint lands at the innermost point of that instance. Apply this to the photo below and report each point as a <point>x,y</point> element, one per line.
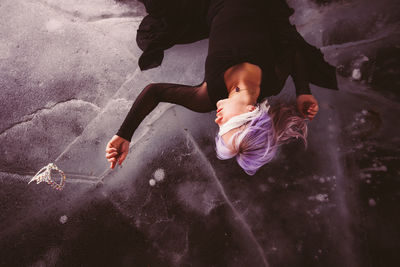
<point>302,89</point>
<point>125,136</point>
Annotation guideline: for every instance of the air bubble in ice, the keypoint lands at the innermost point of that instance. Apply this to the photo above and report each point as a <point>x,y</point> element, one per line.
<point>372,202</point>
<point>63,219</point>
<point>159,175</point>
<point>356,74</point>
<point>321,197</point>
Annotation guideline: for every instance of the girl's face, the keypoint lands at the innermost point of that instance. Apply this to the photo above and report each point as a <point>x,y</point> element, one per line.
<point>228,108</point>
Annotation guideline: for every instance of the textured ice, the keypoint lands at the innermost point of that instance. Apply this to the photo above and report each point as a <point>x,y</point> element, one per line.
<point>63,219</point>
<point>372,202</point>
<point>152,182</point>
<point>159,175</point>
<point>41,136</point>
<point>68,77</point>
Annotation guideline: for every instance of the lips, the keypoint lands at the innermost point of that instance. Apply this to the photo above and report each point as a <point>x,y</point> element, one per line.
<point>219,117</point>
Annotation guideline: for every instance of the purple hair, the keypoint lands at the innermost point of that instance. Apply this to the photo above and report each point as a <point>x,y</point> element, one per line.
<point>257,143</point>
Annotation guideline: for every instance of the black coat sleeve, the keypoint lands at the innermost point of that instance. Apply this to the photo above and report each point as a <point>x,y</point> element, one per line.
<point>309,58</point>
<point>299,74</point>
<point>291,62</point>
<point>194,98</point>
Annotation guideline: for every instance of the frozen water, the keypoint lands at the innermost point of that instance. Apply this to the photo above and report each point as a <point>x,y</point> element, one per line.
<point>356,74</point>
<point>63,219</point>
<point>159,175</point>
<point>372,202</point>
<point>152,182</point>
<point>69,75</point>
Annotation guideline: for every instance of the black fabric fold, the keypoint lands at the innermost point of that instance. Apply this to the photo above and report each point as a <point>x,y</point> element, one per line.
<point>169,23</point>
<point>275,46</point>
<point>186,21</point>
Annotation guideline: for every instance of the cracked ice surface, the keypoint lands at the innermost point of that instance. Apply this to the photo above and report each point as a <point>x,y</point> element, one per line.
<point>44,133</point>
<point>68,74</point>
<point>50,58</point>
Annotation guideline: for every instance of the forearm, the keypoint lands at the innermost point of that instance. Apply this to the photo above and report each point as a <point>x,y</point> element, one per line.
<point>143,105</point>
<point>300,75</point>
<point>194,98</point>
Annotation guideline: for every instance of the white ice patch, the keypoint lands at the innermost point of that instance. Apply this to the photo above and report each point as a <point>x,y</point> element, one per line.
<point>356,74</point>
<point>319,197</point>
<point>198,196</point>
<point>152,182</point>
<point>376,167</point>
<point>372,202</point>
<point>322,197</point>
<point>63,219</point>
<point>323,179</point>
<point>364,176</point>
<point>159,175</point>
<point>264,188</point>
<point>5,50</point>
<point>53,25</point>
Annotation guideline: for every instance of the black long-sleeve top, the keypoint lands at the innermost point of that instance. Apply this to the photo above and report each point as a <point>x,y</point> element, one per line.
<point>254,31</point>
<point>197,97</point>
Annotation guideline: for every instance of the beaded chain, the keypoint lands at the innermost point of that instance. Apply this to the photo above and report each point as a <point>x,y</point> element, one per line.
<point>44,175</point>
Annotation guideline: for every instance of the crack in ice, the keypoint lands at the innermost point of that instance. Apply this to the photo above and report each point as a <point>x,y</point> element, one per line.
<point>239,216</point>
<point>29,117</point>
<point>87,18</point>
<point>341,197</point>
<point>71,176</point>
<point>357,43</point>
<point>102,111</point>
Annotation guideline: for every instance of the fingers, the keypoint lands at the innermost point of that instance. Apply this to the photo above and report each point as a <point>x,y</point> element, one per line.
<point>314,106</point>
<point>112,165</point>
<point>113,159</point>
<point>122,158</point>
<point>116,151</point>
<point>308,106</point>
<point>311,115</point>
<point>110,149</point>
<point>111,155</point>
<point>113,162</point>
<point>312,111</point>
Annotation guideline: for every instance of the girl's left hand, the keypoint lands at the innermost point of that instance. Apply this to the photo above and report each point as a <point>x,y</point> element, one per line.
<point>307,106</point>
